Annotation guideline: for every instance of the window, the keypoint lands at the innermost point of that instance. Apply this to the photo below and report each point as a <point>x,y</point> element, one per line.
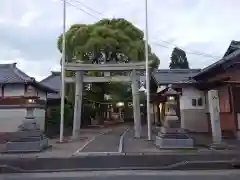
<point>197,102</point>
<point>194,102</point>
<point>200,102</point>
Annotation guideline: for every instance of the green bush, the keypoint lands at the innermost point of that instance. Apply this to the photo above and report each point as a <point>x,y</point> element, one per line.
<point>54,116</point>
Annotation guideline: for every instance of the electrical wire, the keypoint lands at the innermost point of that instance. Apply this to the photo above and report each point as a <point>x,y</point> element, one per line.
<point>186,51</point>
<point>78,8</point>
<point>89,8</point>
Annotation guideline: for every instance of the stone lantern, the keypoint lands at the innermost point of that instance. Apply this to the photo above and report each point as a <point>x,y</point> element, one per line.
<point>171,135</point>
<point>30,122</point>
<point>171,118</point>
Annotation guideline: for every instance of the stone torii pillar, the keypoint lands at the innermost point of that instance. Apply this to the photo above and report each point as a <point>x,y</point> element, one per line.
<point>136,105</point>
<point>78,103</point>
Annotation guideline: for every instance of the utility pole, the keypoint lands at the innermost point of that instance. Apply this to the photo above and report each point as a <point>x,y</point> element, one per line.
<point>63,72</point>
<point>149,123</point>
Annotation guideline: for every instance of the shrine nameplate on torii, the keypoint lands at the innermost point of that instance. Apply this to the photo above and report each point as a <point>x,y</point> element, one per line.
<point>80,78</point>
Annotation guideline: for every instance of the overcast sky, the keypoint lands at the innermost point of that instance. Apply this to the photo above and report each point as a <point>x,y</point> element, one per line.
<point>29,28</point>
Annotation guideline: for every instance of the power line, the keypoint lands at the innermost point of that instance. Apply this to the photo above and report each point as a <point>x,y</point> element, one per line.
<point>158,44</point>
<point>195,52</point>
<point>68,3</point>
<point>89,8</point>
<point>189,52</point>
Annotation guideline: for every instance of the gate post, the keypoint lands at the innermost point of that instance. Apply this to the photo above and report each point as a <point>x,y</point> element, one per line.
<point>136,105</point>
<point>78,103</point>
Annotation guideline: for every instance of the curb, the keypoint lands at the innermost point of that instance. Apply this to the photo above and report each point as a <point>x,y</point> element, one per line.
<point>88,142</point>
<point>181,165</point>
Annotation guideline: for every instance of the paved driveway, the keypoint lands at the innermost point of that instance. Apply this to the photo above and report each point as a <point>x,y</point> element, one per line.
<point>108,142</point>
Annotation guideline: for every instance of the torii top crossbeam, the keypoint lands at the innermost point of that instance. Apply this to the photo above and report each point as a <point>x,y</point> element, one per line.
<point>105,67</point>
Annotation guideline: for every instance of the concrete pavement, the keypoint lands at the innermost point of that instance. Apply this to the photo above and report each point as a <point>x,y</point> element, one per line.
<point>107,142</point>
<point>141,145</point>
<point>66,149</point>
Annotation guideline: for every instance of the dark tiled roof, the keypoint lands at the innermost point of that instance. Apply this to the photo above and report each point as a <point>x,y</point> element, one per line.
<point>232,52</point>
<point>53,81</point>
<point>174,76</point>
<point>10,74</point>
<point>235,45</point>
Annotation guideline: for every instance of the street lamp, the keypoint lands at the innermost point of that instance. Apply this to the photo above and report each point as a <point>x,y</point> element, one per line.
<point>120,105</point>
<point>147,73</point>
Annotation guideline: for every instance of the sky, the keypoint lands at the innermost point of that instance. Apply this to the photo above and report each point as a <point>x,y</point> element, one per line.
<point>29,28</point>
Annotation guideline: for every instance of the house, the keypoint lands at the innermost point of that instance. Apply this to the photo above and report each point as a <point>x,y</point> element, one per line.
<point>194,86</point>
<point>224,77</point>
<point>13,103</point>
<point>54,82</point>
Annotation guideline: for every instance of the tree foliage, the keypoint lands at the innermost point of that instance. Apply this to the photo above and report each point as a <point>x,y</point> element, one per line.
<point>107,40</point>
<point>178,59</point>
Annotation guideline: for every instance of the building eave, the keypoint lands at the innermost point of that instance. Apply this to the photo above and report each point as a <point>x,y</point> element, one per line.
<point>217,66</point>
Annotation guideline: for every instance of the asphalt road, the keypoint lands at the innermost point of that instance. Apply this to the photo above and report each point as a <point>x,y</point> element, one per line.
<point>125,175</point>
<point>106,143</point>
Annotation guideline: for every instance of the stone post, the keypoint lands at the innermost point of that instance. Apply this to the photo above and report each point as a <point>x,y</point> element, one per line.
<point>214,110</point>
<point>78,103</point>
<point>136,105</point>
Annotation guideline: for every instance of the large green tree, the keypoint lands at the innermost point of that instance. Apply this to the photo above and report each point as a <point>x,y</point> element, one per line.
<point>178,59</point>
<point>106,41</point>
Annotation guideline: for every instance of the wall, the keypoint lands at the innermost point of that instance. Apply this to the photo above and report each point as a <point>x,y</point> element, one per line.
<point>13,90</point>
<point>41,94</point>
<point>18,90</point>
<point>10,119</point>
<point>186,98</point>
<point>40,117</point>
<point>193,118</point>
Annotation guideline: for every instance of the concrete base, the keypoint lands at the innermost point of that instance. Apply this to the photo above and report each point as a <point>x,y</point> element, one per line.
<point>173,139</point>
<point>26,141</point>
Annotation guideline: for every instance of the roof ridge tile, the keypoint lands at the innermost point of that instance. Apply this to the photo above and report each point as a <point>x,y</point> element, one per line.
<point>21,74</point>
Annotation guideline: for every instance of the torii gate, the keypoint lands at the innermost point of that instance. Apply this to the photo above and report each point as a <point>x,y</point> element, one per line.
<point>79,79</point>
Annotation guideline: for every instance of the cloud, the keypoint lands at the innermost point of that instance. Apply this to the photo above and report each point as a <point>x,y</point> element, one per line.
<point>28,18</point>
<point>29,29</point>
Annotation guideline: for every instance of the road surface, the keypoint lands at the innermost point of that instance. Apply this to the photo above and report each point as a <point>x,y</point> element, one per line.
<point>108,142</point>
<point>125,175</point>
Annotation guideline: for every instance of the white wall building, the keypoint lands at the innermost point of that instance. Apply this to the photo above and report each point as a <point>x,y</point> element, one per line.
<point>14,84</point>
<point>192,102</point>
<point>193,110</point>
